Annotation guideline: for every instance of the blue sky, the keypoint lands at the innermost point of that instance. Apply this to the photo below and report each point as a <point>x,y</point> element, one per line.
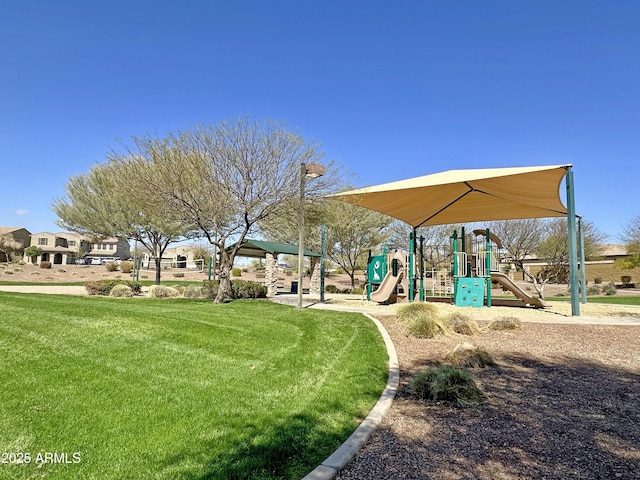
<point>392,90</point>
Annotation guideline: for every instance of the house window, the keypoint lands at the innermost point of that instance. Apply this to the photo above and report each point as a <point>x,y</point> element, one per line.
<point>42,241</point>
<point>72,243</point>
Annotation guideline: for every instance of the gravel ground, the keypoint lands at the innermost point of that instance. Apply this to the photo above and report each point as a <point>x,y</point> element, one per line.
<point>563,403</point>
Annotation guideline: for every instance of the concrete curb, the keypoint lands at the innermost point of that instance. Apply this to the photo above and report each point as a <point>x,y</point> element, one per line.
<point>329,468</point>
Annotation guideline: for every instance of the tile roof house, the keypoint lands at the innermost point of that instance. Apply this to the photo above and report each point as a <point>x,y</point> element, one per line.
<point>65,248</point>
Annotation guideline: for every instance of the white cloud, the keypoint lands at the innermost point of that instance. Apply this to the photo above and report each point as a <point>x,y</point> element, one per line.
<point>22,211</point>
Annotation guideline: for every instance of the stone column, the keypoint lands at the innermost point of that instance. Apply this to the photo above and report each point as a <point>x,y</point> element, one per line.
<point>271,274</point>
<point>314,286</point>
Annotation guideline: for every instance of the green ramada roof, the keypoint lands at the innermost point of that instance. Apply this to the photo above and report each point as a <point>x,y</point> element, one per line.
<point>259,248</point>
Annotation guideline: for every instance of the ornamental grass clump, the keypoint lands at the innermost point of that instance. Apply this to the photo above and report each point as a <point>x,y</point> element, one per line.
<point>470,356</point>
<point>192,291</point>
<point>160,291</point>
<point>505,323</point>
<point>448,384</point>
<point>412,310</point>
<point>462,324</point>
<point>426,326</point>
<point>121,291</point>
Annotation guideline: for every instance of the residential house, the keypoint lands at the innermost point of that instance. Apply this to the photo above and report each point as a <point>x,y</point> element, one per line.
<point>109,248</point>
<point>13,241</point>
<point>65,247</point>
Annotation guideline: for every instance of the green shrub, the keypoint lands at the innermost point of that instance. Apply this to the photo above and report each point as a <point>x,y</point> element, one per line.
<point>357,290</point>
<point>236,272</point>
<point>449,384</point>
<point>625,278</point>
<point>160,291</point>
<point>471,356</point>
<point>288,273</point>
<point>426,326</point>
<point>239,289</point>
<point>121,291</point>
<point>103,287</point>
<point>505,323</point>
<point>597,280</point>
<point>126,266</point>
<point>609,289</point>
<point>179,275</point>
<point>593,290</point>
<point>248,289</point>
<point>331,289</point>
<point>462,324</point>
<point>408,311</point>
<point>8,272</point>
<point>111,266</point>
<point>45,264</point>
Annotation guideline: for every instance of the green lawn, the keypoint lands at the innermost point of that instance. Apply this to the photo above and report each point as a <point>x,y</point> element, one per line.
<point>612,299</point>
<point>154,389</point>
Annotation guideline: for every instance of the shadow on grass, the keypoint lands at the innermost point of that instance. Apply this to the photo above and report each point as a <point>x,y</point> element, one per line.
<point>562,420</point>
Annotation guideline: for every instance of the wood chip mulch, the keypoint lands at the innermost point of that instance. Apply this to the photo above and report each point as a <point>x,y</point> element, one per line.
<point>562,403</point>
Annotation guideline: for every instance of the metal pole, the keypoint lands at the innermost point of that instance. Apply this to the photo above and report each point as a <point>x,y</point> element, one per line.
<point>573,254</point>
<point>583,272</point>
<point>303,173</point>
<point>323,250</point>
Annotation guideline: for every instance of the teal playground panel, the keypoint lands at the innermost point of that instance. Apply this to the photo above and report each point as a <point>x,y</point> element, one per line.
<point>469,292</point>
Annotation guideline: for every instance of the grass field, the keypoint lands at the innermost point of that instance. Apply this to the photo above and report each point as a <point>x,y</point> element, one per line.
<point>152,389</point>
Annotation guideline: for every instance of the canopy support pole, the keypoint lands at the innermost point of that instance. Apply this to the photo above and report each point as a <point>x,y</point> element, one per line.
<point>573,248</point>
<point>583,272</point>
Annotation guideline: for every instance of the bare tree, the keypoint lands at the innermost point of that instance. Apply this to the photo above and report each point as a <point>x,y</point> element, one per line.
<point>547,240</point>
<point>631,239</point>
<point>351,232</point>
<point>225,179</point>
<point>110,201</point>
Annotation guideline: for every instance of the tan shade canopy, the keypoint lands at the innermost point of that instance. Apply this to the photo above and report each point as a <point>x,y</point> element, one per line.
<point>458,196</point>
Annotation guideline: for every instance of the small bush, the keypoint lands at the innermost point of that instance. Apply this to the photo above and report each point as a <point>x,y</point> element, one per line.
<point>239,289</point>
<point>331,289</point>
<point>626,278</point>
<point>192,291</point>
<point>357,290</point>
<point>111,266</point>
<point>45,264</point>
<point>260,275</point>
<point>160,291</point>
<point>597,280</point>
<point>609,289</point>
<point>180,289</point>
<point>247,289</point>
<point>411,310</point>
<point>104,287</point>
<point>426,326</point>
<point>236,272</point>
<point>505,323</point>
<point>126,266</point>
<point>462,324</point>
<point>121,291</point>
<point>8,272</point>
<point>288,273</point>
<point>179,275</point>
<point>449,384</point>
<point>470,356</point>
<point>593,290</point>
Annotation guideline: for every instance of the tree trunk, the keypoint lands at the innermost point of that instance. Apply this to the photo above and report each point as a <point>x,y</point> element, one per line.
<point>158,269</point>
<point>224,287</point>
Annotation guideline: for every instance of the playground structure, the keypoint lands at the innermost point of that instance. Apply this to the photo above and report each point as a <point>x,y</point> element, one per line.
<point>471,267</point>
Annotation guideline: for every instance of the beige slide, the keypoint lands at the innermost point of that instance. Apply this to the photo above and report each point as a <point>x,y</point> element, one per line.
<point>389,282</point>
<point>508,284</point>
